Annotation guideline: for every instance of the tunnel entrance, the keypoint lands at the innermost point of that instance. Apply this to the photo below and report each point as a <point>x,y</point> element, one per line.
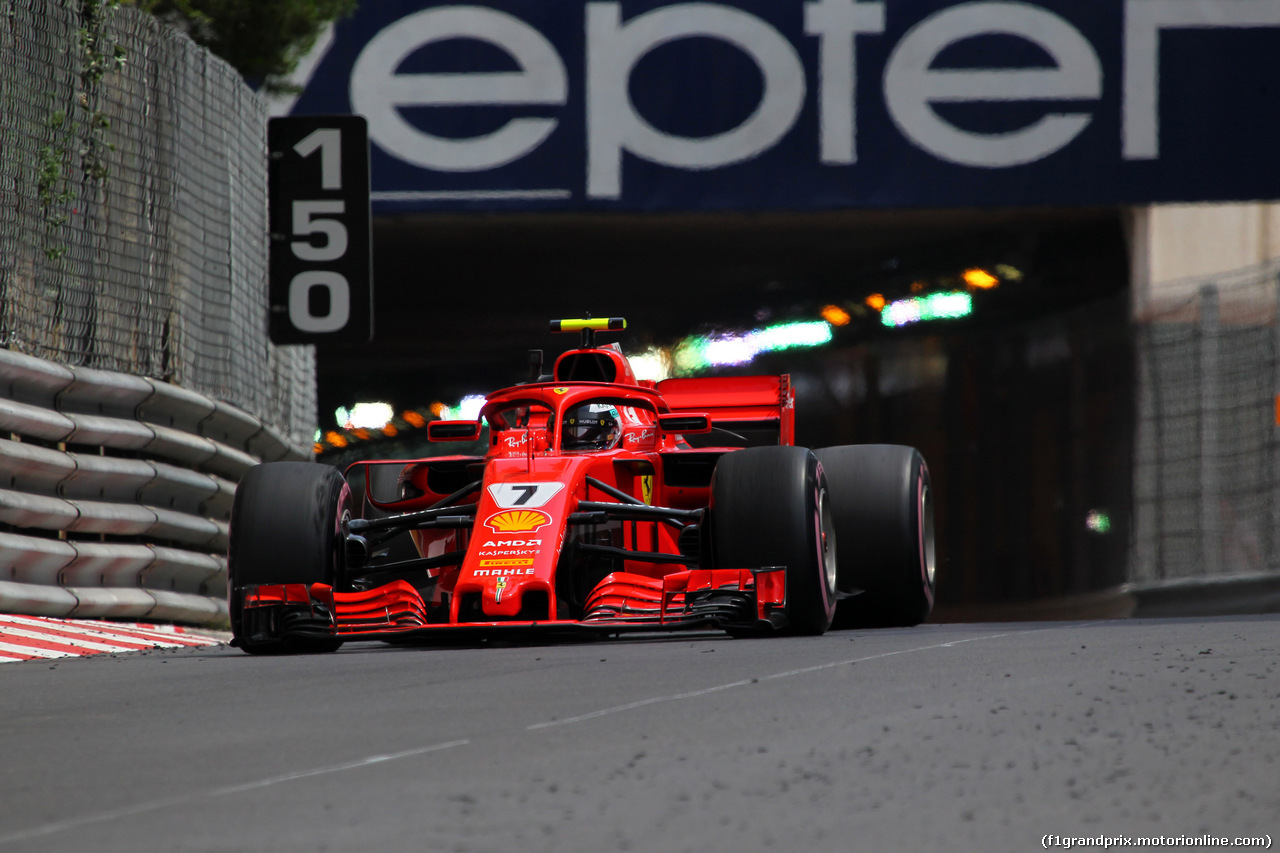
<point>1023,408</point>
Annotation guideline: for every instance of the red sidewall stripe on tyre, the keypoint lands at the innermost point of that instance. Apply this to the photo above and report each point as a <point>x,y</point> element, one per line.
<point>921,522</point>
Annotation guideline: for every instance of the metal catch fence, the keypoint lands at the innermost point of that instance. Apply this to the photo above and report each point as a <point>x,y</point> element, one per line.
<point>133,228</point>
<point>1207,452</point>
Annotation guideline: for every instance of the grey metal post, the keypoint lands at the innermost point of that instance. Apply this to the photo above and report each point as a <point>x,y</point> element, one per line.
<point>1210,379</point>
<point>1271,557</point>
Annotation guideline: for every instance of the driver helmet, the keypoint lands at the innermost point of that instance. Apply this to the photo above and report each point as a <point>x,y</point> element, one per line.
<point>592,426</point>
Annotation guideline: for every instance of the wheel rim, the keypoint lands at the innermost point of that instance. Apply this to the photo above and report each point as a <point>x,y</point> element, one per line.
<point>827,545</point>
<point>927,550</point>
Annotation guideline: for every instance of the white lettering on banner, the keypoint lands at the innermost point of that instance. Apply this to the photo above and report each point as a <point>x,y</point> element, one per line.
<point>614,126</point>
<point>379,92</point>
<point>1143,21</point>
<point>837,23</point>
<point>910,85</point>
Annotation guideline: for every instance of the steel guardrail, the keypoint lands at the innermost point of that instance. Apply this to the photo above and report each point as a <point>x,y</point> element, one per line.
<point>116,492</point>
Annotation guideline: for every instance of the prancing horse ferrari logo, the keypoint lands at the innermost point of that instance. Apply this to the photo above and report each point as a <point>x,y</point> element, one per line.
<point>499,587</point>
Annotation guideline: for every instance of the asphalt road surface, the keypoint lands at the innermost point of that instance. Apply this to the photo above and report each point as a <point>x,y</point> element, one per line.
<point>943,737</point>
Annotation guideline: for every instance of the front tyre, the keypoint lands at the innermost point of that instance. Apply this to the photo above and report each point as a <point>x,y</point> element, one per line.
<point>883,508</point>
<point>286,528</point>
<point>770,507</point>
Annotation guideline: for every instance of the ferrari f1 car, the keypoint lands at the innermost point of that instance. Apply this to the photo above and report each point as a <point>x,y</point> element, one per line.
<point>601,504</point>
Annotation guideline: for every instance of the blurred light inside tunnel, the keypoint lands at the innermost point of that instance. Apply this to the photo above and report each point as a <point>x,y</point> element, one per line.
<point>1098,521</point>
<point>654,364</point>
<point>1008,273</point>
<point>468,409</point>
<point>701,352</point>
<point>365,416</point>
<point>980,279</point>
<point>935,306</point>
<point>835,315</point>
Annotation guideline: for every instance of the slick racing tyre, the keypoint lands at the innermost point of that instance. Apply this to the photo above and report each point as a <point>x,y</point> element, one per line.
<point>883,508</point>
<point>769,507</point>
<point>285,529</point>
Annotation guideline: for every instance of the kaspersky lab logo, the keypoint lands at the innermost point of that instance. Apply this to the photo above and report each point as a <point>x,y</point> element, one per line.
<point>517,521</point>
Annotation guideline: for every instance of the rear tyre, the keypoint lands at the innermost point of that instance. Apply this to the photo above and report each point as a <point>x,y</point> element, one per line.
<point>769,507</point>
<point>286,528</point>
<point>882,503</point>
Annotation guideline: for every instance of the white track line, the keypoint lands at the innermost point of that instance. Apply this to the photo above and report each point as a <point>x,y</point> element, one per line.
<point>654,700</point>
<point>156,805</point>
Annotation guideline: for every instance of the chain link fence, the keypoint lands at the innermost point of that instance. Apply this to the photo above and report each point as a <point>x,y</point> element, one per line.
<point>133,221</point>
<point>1207,472</point>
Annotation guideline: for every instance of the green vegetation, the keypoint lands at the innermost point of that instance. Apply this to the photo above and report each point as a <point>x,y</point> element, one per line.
<point>263,40</point>
<point>78,127</point>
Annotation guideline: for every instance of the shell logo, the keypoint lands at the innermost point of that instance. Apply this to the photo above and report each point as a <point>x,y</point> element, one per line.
<point>517,521</point>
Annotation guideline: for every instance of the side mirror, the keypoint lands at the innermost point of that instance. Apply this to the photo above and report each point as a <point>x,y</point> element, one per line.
<point>684,423</point>
<point>453,431</point>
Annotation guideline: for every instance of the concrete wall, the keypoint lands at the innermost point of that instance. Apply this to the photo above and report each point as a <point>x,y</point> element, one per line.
<point>1174,247</point>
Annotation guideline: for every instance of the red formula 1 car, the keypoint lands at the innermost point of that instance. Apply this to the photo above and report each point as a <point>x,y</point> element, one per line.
<point>602,504</point>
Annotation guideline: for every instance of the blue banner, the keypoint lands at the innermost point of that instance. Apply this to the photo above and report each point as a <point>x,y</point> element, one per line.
<point>644,105</point>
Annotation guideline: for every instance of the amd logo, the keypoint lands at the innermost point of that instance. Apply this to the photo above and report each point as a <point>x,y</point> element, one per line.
<point>909,84</point>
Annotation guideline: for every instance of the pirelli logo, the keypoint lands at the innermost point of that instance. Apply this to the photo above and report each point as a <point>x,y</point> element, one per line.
<point>520,561</point>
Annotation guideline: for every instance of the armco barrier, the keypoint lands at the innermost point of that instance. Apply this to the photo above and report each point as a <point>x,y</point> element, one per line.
<point>116,492</point>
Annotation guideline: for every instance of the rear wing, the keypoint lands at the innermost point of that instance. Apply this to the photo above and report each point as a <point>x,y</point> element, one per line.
<point>748,404</point>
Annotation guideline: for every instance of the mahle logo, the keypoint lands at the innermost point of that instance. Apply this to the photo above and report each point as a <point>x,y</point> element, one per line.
<point>517,521</point>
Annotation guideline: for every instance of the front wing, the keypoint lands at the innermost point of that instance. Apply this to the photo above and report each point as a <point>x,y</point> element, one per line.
<point>748,599</point>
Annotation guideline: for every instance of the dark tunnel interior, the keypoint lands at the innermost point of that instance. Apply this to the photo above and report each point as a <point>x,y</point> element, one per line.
<point>1023,409</point>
